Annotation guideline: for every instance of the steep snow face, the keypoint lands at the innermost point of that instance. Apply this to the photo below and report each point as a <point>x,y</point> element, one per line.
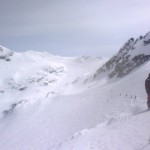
<point>133,54</point>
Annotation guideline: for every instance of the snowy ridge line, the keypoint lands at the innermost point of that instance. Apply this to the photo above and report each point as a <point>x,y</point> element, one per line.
<point>78,134</point>
<point>77,141</point>
<point>106,124</point>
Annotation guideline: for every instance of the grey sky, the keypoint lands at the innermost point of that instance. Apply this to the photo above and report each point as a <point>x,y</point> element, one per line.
<point>72,27</point>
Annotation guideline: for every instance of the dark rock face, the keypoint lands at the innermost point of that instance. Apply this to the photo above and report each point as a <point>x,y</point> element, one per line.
<point>133,54</point>
<point>147,42</point>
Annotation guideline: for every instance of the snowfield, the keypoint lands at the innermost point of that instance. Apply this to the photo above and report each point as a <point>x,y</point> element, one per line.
<point>49,102</point>
<point>126,124</point>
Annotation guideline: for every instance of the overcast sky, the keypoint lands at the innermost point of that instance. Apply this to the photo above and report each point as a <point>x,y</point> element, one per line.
<point>72,27</point>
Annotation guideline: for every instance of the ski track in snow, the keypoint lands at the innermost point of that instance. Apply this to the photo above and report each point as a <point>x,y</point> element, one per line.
<point>48,105</point>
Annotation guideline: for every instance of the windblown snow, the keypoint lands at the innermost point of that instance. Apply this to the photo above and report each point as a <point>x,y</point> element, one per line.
<point>48,102</point>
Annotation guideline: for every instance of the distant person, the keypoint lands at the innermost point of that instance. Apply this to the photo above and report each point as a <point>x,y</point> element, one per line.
<point>147,87</point>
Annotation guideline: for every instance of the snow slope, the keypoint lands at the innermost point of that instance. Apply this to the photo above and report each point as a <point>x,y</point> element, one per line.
<point>124,128</point>
<point>45,104</point>
<point>38,92</point>
<point>122,134</point>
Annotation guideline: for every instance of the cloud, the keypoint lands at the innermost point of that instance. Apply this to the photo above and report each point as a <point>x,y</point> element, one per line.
<point>77,26</point>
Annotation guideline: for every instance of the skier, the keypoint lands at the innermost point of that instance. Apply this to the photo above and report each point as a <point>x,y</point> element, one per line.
<point>147,87</point>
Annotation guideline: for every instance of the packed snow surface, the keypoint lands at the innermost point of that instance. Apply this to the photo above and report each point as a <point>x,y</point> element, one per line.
<point>49,102</point>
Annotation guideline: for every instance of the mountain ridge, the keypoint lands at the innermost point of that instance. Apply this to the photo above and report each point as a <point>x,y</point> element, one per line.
<point>131,55</point>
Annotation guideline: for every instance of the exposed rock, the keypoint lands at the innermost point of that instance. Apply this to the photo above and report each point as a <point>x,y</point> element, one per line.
<point>132,55</point>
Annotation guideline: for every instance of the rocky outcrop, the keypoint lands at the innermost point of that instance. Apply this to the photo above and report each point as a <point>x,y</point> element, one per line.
<point>133,54</point>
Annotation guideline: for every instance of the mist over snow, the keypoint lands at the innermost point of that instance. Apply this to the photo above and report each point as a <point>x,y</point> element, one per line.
<point>49,102</point>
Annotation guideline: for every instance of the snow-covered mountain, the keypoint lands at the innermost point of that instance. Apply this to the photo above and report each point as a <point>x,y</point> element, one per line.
<point>46,102</point>
<point>133,54</point>
<point>35,75</point>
